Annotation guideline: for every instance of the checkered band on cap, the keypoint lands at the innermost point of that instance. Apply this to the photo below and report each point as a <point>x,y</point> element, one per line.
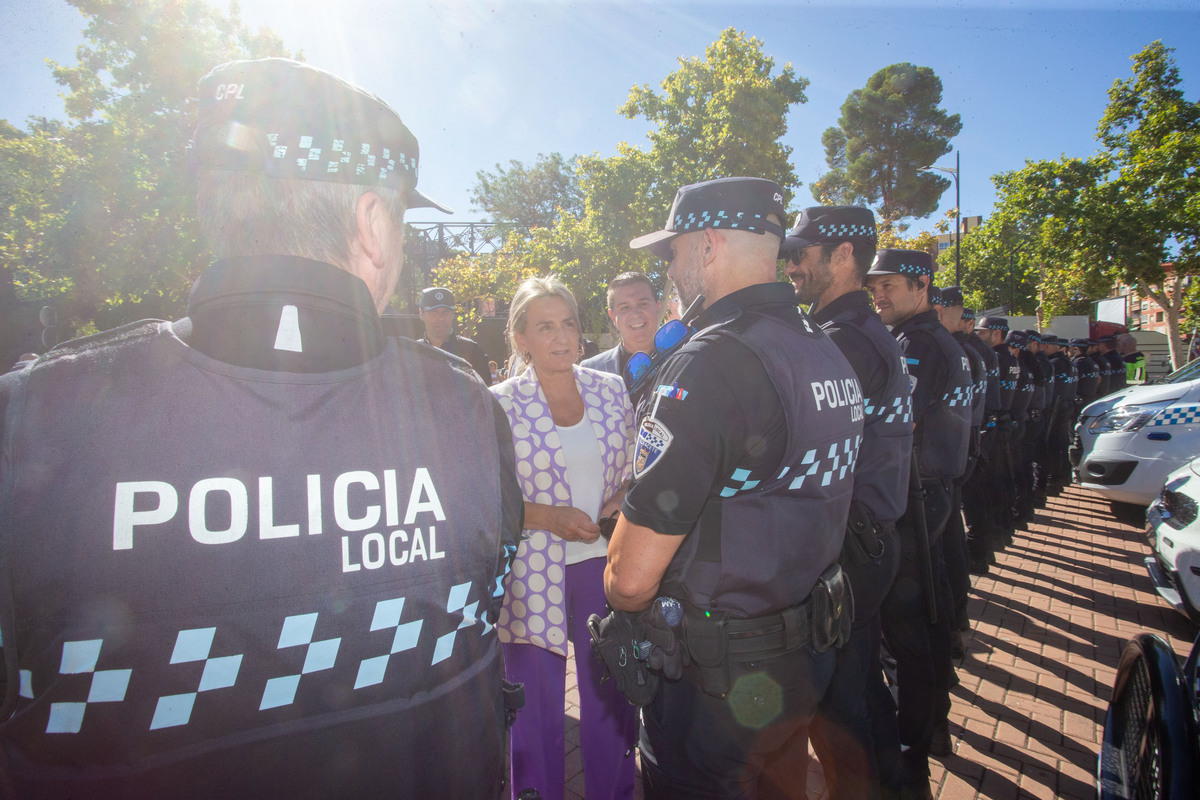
<point>834,230</point>
<point>912,263</point>
<point>734,220</point>
<point>301,155</point>
<point>968,314</point>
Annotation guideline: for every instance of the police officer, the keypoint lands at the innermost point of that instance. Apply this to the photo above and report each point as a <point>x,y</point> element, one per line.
<point>1039,453</point>
<point>828,252</point>
<point>276,573</point>
<point>1058,436</point>
<point>1087,388</point>
<point>437,312</point>
<point>738,505</point>
<point>1135,360</point>
<point>900,282</point>
<point>954,540</point>
<point>978,489</point>
<point>993,330</point>
<point>1116,364</point>
<point>1021,512</point>
<point>1103,367</point>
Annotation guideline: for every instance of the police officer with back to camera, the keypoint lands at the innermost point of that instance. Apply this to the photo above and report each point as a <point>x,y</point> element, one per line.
<point>1043,403</point>
<point>828,252</point>
<point>1021,512</point>
<point>916,624</point>
<point>437,312</point>
<point>266,582</point>
<point>738,506</point>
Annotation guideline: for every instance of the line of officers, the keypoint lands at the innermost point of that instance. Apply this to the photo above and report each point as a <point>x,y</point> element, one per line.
<point>991,413</point>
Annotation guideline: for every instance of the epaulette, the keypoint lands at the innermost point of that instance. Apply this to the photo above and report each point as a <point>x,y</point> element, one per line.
<point>425,350</point>
<point>119,335</point>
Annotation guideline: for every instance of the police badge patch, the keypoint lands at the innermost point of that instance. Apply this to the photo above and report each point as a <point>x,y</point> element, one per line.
<point>653,439</point>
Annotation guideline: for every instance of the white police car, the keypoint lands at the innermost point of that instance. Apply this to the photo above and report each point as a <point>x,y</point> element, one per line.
<point>1174,531</point>
<point>1130,440</point>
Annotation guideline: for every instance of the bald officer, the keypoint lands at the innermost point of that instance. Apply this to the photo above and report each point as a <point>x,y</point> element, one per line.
<point>744,448</point>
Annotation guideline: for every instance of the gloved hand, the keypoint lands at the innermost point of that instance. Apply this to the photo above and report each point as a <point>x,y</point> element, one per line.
<point>667,653</point>
<point>618,643</point>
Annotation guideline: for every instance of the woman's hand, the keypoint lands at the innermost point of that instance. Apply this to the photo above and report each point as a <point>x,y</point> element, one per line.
<point>565,522</point>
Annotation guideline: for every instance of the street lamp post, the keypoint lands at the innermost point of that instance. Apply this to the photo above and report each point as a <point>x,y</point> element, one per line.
<point>957,213</point>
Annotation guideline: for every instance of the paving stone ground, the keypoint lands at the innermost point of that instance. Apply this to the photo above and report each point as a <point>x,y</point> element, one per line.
<point>1049,623</point>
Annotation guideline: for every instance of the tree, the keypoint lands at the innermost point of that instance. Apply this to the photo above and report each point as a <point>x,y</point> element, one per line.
<point>116,234</point>
<point>1145,211</point>
<point>530,197</point>
<point>719,116</point>
<point>888,131</point>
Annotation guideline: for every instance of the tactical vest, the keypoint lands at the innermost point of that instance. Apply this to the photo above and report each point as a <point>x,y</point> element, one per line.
<point>943,433</point>
<point>979,380</point>
<point>1042,388</point>
<point>223,581</point>
<point>1010,375</point>
<point>992,400</point>
<point>1089,378</point>
<point>884,459</point>
<point>775,539</point>
<point>1065,379</point>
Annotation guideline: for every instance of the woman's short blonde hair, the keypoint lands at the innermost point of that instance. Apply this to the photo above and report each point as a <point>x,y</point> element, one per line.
<point>534,289</point>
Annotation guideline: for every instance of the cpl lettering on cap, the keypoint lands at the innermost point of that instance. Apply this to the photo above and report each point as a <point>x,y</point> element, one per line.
<point>230,91</point>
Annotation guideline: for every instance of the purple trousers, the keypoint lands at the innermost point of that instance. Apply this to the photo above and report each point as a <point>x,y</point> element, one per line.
<point>607,722</point>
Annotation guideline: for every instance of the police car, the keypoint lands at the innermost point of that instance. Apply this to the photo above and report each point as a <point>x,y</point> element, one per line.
<point>1174,531</point>
<point>1128,442</point>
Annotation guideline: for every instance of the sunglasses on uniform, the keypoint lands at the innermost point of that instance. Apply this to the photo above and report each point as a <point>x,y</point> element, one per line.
<point>667,339</point>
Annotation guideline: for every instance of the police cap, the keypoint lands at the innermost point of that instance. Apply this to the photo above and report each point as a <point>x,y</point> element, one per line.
<point>436,297</point>
<point>1080,342</point>
<point>291,120</point>
<point>903,262</point>
<point>935,296</point>
<point>952,296</point>
<point>1107,338</point>
<point>1017,339</point>
<point>992,323</point>
<point>830,225</point>
<point>968,314</point>
<point>1064,341</point>
<point>736,204</point>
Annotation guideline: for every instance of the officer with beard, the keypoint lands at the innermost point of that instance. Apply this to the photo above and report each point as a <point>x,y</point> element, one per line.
<point>828,253</point>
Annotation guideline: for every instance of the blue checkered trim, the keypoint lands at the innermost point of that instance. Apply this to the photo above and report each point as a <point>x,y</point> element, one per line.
<point>836,464</point>
<point>1177,415</point>
<point>912,269</point>
<point>301,155</point>
<point>961,396</point>
<point>900,409</point>
<point>737,220</point>
<point>836,229</point>
<point>742,477</point>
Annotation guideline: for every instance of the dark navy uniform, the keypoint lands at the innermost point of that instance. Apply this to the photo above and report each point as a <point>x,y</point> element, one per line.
<point>1089,378</point>
<point>1104,369</point>
<point>1007,428</point>
<point>746,448</point>
<point>1117,372</point>
<point>245,594</point>
<point>1036,435</point>
<point>941,398</point>
<point>1058,438</point>
<point>980,487</point>
<point>881,492</point>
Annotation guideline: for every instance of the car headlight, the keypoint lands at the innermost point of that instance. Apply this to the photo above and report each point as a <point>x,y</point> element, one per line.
<point>1127,418</point>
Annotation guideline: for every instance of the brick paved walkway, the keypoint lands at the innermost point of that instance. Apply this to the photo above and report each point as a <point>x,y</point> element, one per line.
<point>1050,621</point>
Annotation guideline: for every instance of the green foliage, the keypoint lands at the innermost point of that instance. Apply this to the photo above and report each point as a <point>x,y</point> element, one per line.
<point>719,116</point>
<point>495,275</point>
<point>888,131</point>
<point>530,197</point>
<point>98,215</point>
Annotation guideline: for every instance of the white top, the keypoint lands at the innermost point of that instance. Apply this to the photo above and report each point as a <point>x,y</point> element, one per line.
<point>585,477</point>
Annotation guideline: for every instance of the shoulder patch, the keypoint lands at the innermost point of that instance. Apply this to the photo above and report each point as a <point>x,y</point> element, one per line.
<point>653,439</point>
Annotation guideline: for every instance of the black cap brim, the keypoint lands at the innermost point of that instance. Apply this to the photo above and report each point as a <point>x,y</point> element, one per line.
<point>415,199</point>
<point>657,242</point>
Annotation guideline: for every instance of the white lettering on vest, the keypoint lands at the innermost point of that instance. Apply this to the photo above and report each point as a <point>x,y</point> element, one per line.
<point>239,510</point>
<point>423,485</point>
<point>314,505</point>
<point>341,501</point>
<point>124,516</point>
<point>346,565</point>
<point>267,529</point>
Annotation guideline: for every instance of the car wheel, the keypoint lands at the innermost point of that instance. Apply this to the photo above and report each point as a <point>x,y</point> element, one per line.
<point>1128,513</point>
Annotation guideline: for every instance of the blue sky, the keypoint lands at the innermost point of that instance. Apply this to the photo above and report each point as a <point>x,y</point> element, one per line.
<point>481,83</point>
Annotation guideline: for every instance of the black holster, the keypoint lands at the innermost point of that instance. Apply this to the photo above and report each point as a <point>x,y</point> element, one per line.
<point>832,610</point>
<point>514,700</point>
<point>862,542</point>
